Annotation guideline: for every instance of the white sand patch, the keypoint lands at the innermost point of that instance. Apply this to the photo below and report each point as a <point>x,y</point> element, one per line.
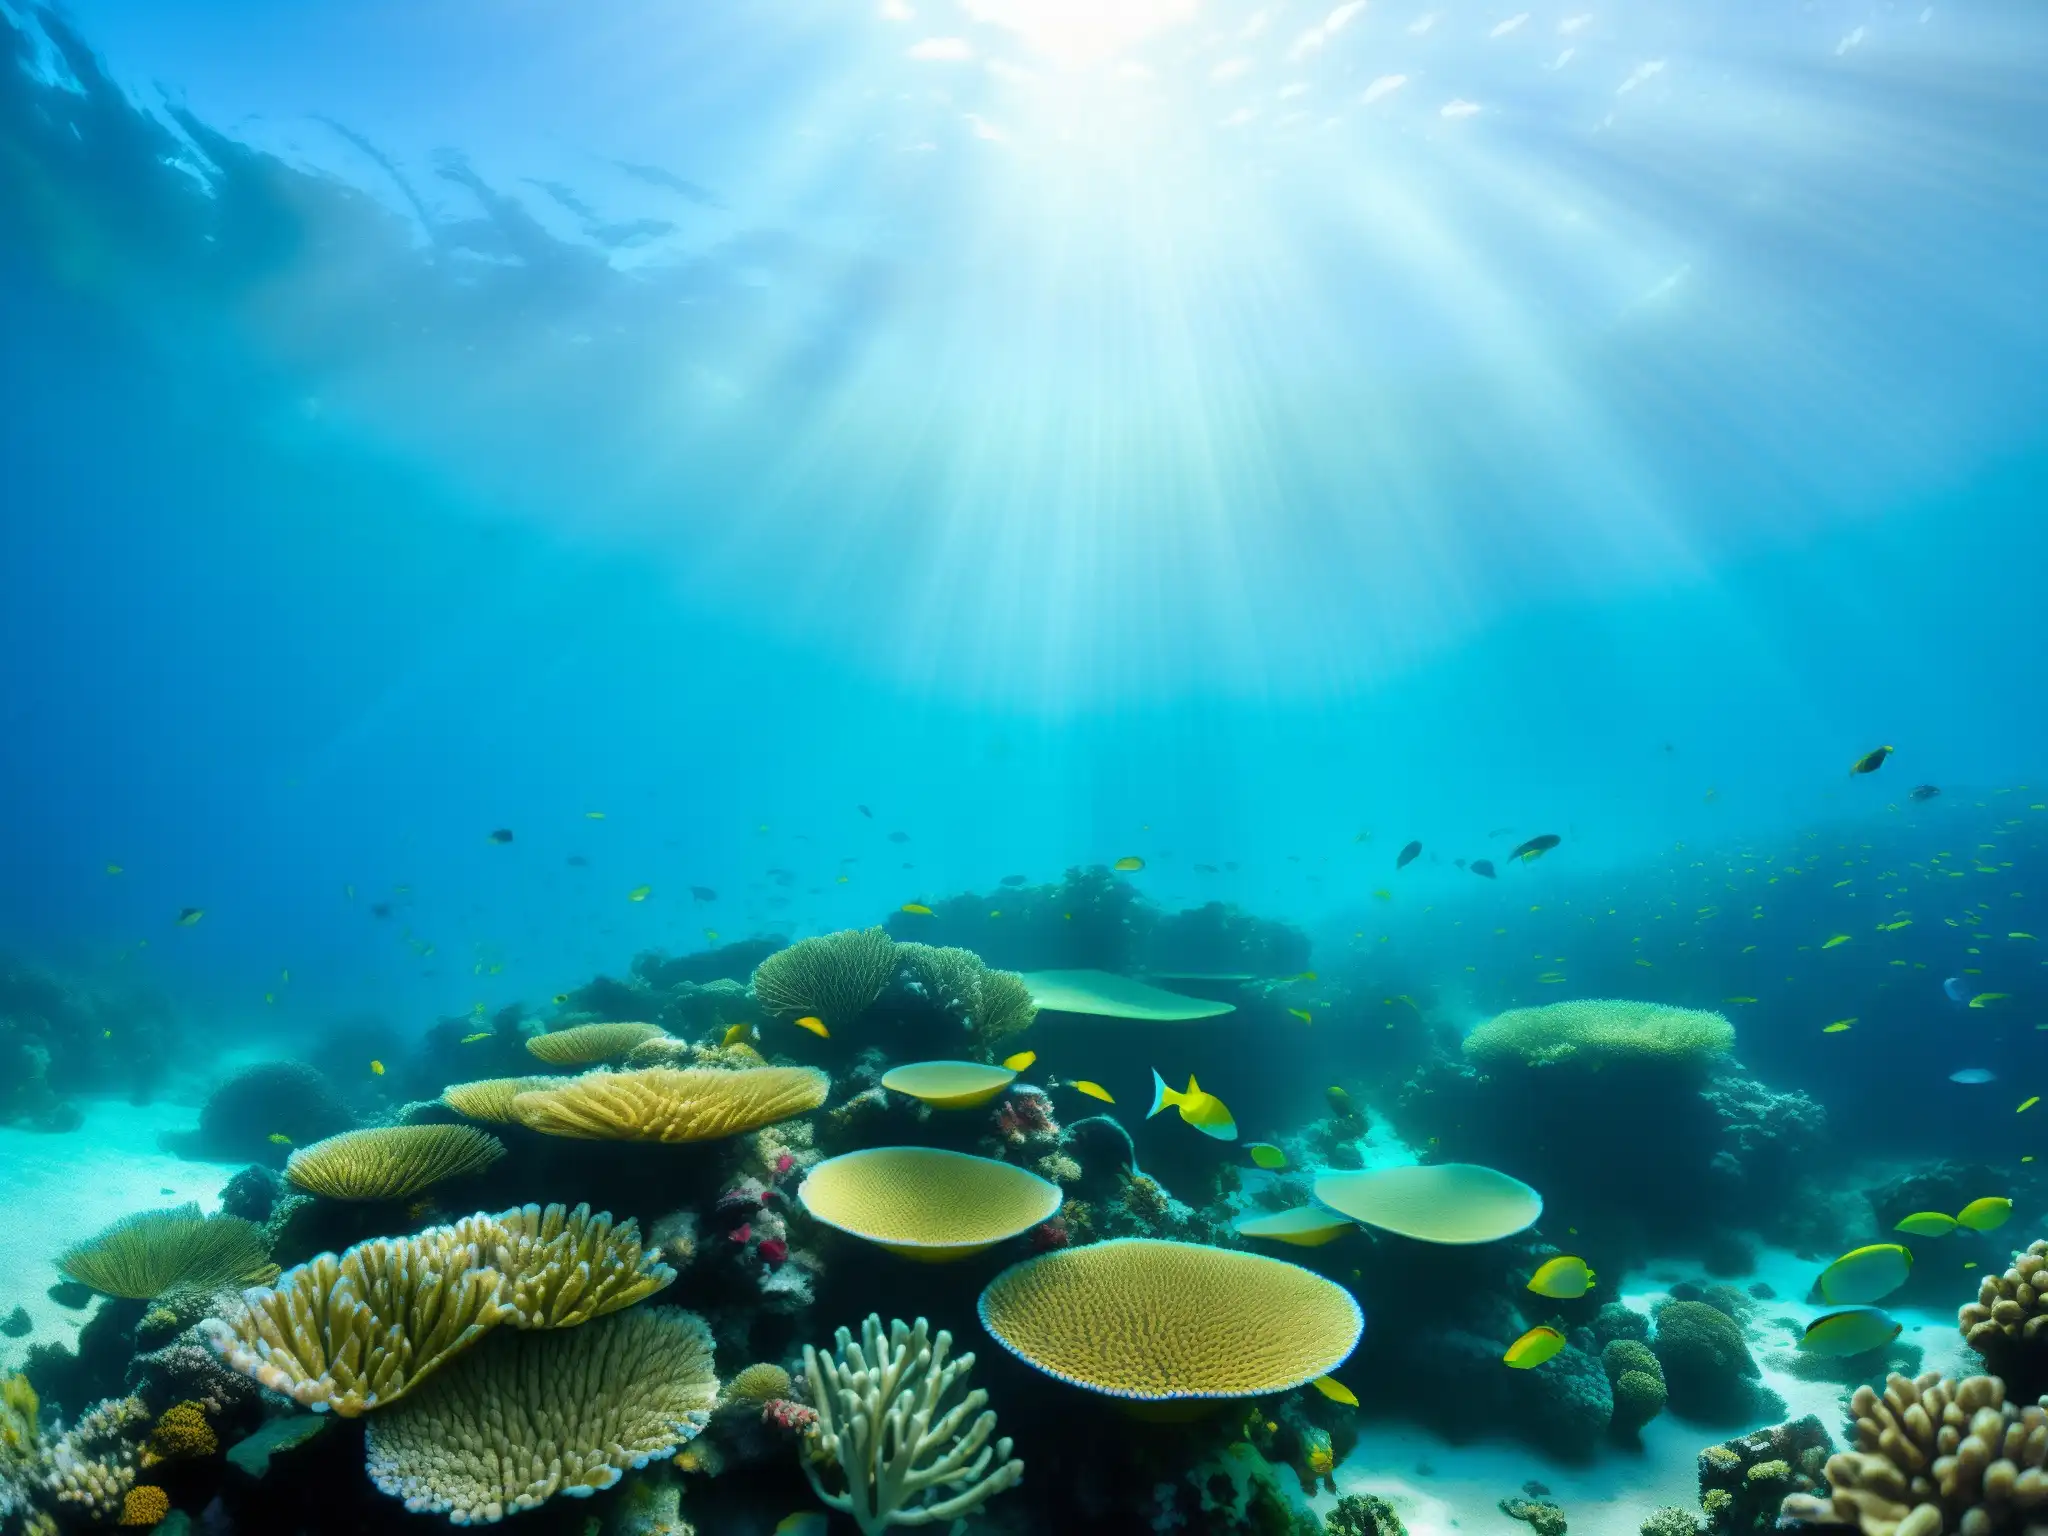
<point>56,1190</point>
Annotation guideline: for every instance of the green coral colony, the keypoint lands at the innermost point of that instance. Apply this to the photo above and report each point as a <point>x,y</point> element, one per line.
<point>1179,1318</point>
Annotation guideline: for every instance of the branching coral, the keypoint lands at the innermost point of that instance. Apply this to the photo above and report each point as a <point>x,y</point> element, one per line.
<point>835,977</point>
<point>910,1445</point>
<point>391,1162</point>
<point>1590,1032</point>
<point>2008,1322</point>
<point>1935,1455</point>
<point>585,1045</point>
<point>91,1467</point>
<point>672,1105</point>
<point>146,1254</point>
<point>532,1415</point>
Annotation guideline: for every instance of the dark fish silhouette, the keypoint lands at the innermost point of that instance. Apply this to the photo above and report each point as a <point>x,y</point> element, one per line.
<point>1482,867</point>
<point>703,893</point>
<point>190,915</point>
<point>1870,762</point>
<point>1205,869</point>
<point>577,861</point>
<point>1536,847</point>
<point>380,909</point>
<point>865,812</point>
<point>502,835</point>
<point>1013,880</point>
<point>1408,856</point>
<point>899,837</point>
<point>1924,791</point>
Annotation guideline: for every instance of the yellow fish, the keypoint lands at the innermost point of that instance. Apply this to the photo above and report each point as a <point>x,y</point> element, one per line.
<point>1303,1014</point>
<point>1265,1154</point>
<point>1927,1224</point>
<point>1852,1331</point>
<point>815,1025</point>
<point>639,893</point>
<point>1093,1090</point>
<point>1837,1027</point>
<point>805,1522</point>
<point>1533,1348</point>
<point>191,915</point>
<point>1840,938</point>
<point>711,934</point>
<point>917,909</point>
<point>1130,864</point>
<point>1988,997</point>
<point>737,1034</point>
<point>1335,1391</point>
<point>284,976</point>
<point>1201,1109</point>
<point>1383,894</point>
<point>1562,1278</point>
<point>1864,1275</point>
<point>1020,1061</point>
<point>1306,976</point>
<point>2019,936</point>
<point>113,869</point>
<point>1986,1215</point>
<point>593,815</point>
<point>377,1068</point>
<point>561,998</point>
<point>1738,999</point>
<point>279,1139</point>
<point>2028,1104</point>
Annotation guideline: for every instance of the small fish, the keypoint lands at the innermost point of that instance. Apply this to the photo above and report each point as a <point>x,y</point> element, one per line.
<point>1533,1348</point>
<point>1837,1027</point>
<point>916,909</point>
<point>1986,1215</point>
<point>482,1034</point>
<point>815,1025</point>
<point>376,1069</point>
<point>1339,1101</point>
<point>502,835</point>
<point>737,1034</point>
<point>1335,1391</point>
<point>2017,935</point>
<point>639,893</point>
<point>865,812</point>
<point>1927,1224</point>
<point>1738,999</point>
<point>1536,847</point>
<point>711,935</point>
<point>702,893</point>
<point>1384,894</point>
<point>1562,1278</point>
<point>1923,792</point>
<point>1851,1331</point>
<point>1265,1155</point>
<point>1408,855</point>
<point>1970,1077</point>
<point>593,815</point>
<point>899,837</point>
<point>1304,976</point>
<point>805,1522</point>
<point>1303,1014</point>
<point>279,1139</point>
<point>1020,1061</point>
<point>1867,1274</point>
<point>1869,762</point>
<point>1129,864</point>
<point>1199,1108</point>
<point>577,861</point>
<point>113,869</point>
<point>1838,939</point>
<point>1205,869</point>
<point>1013,881</point>
<point>1482,867</point>
<point>1093,1090</point>
<point>1983,998</point>
<point>190,915</point>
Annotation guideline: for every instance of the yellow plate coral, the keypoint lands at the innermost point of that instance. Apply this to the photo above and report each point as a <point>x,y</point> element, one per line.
<point>949,1084</point>
<point>1306,1226</point>
<point>926,1203</point>
<point>671,1104</point>
<point>1445,1203</point>
<point>1158,1321</point>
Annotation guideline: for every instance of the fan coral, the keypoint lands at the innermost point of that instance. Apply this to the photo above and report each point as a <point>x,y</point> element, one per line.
<point>146,1254</point>
<point>950,978</point>
<point>2008,1323</point>
<point>536,1414</point>
<point>181,1434</point>
<point>391,1162</point>
<point>910,1446</point>
<point>144,1504</point>
<point>1592,1031</point>
<point>563,1267</point>
<point>1003,1007</point>
<point>668,1104</point>
<point>836,977</point>
<point>585,1045</point>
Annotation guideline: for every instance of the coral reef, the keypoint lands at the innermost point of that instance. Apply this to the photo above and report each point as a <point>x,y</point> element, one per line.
<point>1546,1517</point>
<point>490,1098</point>
<point>908,1443</point>
<point>2008,1323</point>
<point>273,1098</point>
<point>1593,1032</point>
<point>1709,1374</point>
<point>392,1161</point>
<point>1363,1514</point>
<point>146,1254</point>
<point>836,977</point>
<point>1638,1382</point>
<point>671,1105</point>
<point>1672,1520</point>
<point>1743,1481</point>
<point>90,1467</point>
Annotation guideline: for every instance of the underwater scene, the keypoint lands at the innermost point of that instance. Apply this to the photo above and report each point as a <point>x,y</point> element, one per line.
<point>789,767</point>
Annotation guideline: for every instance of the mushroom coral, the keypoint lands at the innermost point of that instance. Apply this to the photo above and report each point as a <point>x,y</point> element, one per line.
<point>390,1162</point>
<point>151,1252</point>
<point>1153,1320</point>
<point>585,1045</point>
<point>671,1104</point>
<point>925,1202</point>
<point>1591,1032</point>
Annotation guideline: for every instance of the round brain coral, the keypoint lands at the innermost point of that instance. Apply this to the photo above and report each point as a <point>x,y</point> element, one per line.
<point>391,1161</point>
<point>1157,1321</point>
<point>672,1104</point>
<point>1593,1032</point>
<point>926,1203</point>
<point>585,1045</point>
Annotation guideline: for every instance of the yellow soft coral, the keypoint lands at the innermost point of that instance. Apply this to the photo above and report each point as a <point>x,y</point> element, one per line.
<point>669,1104</point>
<point>181,1433</point>
<point>144,1504</point>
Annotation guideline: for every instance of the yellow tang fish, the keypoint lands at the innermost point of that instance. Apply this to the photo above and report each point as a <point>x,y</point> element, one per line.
<point>1840,938</point>
<point>916,909</point>
<point>1303,1014</point>
<point>639,893</point>
<point>482,1034</point>
<point>1927,1224</point>
<point>279,1139</point>
<point>737,1034</point>
<point>1384,894</point>
<point>1986,1215</point>
<point>1533,1348</point>
<point>1837,1027</point>
<point>815,1025</point>
<point>377,1068</point>
<point>1988,997</point>
<point>711,934</point>
<point>1093,1090</point>
<point>1563,1278</point>
<point>1265,1155</point>
<point>1864,1275</point>
<point>1335,1391</point>
<point>1130,864</point>
<point>1020,1061</point>
<point>1201,1109</point>
<point>1870,762</point>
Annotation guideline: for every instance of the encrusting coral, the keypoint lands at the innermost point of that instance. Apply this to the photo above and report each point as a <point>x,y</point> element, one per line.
<point>910,1447</point>
<point>2008,1322</point>
<point>585,1045</point>
<point>390,1162</point>
<point>669,1104</point>
<point>1590,1032</point>
<point>836,976</point>
<point>533,1415</point>
<point>151,1252</point>
<point>1935,1455</point>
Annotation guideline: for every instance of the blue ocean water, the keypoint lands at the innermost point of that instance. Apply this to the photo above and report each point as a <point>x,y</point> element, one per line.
<point>785,462</point>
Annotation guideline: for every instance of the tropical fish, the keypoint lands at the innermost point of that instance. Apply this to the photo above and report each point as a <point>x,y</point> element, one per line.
<point>1303,1014</point>
<point>501,835</point>
<point>1020,1061</point>
<point>1738,999</point>
<point>191,915</point>
<point>561,998</point>
<point>1864,1275</point>
<point>1986,1215</point>
<point>711,935</point>
<point>1869,762</point>
<point>1482,867</point>
<point>737,1034</point>
<point>1851,1331</point>
<point>279,1139</point>
<point>1923,792</point>
<point>1837,1027</point>
<point>113,869</point>
<point>1562,1278</point>
<point>1093,1090</point>
<point>377,1068</point>
<point>1304,976</point>
<point>2018,935</point>
<point>1407,855</point>
<point>482,1034</point>
<point>815,1025</point>
<point>1335,1391</point>
<point>865,812</point>
<point>1339,1101</point>
<point>1927,1224</point>
<point>1988,997</point>
<point>1014,880</point>
<point>1384,894</point>
<point>1536,847</point>
<point>639,893</point>
<point>1203,1110</point>
<point>916,909</point>
<point>1129,864</point>
<point>805,1522</point>
<point>593,815</point>
<point>1971,1077</point>
<point>1265,1154</point>
<point>1533,1348</point>
<point>702,893</point>
<point>1838,939</point>
<point>899,837</point>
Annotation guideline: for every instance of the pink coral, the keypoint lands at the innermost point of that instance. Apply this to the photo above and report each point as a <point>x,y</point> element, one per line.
<point>782,1413</point>
<point>1048,1235</point>
<point>1024,1115</point>
<point>783,1164</point>
<point>740,1234</point>
<point>773,1250</point>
